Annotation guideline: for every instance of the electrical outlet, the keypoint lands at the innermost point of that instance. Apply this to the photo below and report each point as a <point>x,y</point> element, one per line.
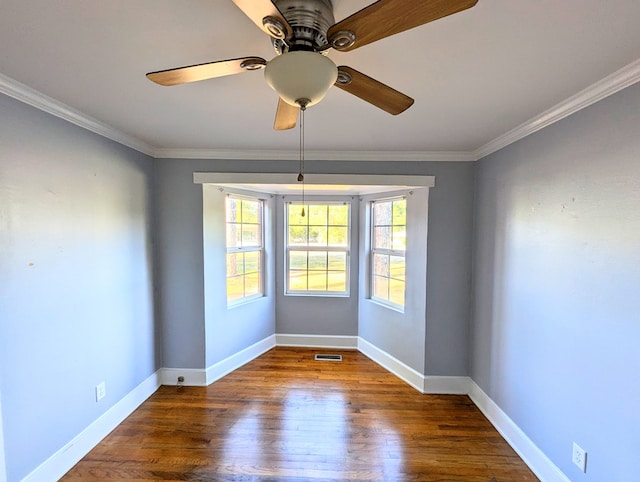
<point>579,457</point>
<point>101,391</point>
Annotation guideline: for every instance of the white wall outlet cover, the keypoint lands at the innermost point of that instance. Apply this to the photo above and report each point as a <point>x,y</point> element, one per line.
<point>101,391</point>
<point>579,457</point>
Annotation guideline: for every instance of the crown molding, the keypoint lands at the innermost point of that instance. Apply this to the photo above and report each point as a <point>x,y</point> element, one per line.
<point>620,79</point>
<point>36,99</point>
<point>293,155</point>
<point>625,77</point>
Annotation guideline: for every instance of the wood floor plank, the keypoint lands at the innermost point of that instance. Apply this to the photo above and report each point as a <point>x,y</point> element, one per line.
<point>286,417</point>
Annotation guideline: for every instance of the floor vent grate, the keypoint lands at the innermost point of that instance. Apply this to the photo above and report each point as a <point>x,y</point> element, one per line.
<point>328,357</point>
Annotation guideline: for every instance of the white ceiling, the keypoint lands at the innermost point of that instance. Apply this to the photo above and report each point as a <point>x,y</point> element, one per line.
<point>474,75</point>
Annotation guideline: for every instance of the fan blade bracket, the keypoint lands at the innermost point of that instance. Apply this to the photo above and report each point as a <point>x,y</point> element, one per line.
<point>342,40</point>
<point>274,27</point>
<point>253,63</point>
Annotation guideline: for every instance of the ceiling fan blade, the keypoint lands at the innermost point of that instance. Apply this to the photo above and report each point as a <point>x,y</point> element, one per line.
<point>389,17</point>
<point>372,91</point>
<point>193,73</point>
<point>266,16</point>
<point>286,116</point>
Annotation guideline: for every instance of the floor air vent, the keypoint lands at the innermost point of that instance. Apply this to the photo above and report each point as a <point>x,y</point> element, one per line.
<point>329,357</point>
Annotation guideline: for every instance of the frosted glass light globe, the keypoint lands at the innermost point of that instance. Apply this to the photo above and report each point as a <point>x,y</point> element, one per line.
<point>301,75</point>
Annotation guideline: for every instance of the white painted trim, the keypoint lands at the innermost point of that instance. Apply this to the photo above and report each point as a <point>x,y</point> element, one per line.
<point>446,385</point>
<point>36,99</point>
<point>392,364</point>
<point>528,451</point>
<point>193,377</point>
<point>64,459</point>
<point>3,465</point>
<point>235,361</point>
<point>625,77</point>
<point>317,155</point>
<point>317,341</point>
<point>401,181</point>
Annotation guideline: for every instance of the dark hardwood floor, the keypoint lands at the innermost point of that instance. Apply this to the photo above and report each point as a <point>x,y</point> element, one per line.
<point>284,416</point>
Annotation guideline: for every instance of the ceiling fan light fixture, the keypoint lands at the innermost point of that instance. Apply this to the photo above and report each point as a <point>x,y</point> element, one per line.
<point>301,75</point>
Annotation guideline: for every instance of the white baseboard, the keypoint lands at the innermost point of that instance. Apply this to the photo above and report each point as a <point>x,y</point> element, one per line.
<point>64,459</point>
<point>318,341</point>
<point>193,377</point>
<point>235,361</point>
<point>528,451</point>
<point>395,366</point>
<point>437,385</point>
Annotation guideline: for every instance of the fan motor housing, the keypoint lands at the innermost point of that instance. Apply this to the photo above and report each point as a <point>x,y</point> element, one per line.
<point>310,21</point>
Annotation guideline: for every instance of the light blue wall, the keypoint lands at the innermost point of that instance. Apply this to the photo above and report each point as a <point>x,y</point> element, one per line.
<point>556,311</point>
<point>400,334</point>
<point>230,330</point>
<point>181,263</point>
<point>76,290</point>
<point>317,315</point>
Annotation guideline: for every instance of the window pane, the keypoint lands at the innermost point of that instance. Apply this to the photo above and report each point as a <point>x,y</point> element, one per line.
<point>324,225</point>
<point>235,264</point>
<point>339,214</point>
<point>382,237</point>
<point>298,260</point>
<point>382,213</point>
<point>338,236</point>
<point>400,211</point>
<point>252,262</point>
<point>318,260</point>
<point>381,265</point>
<point>232,210</point>
<point>317,281</point>
<point>337,281</point>
<point>396,267</point>
<point>298,235</point>
<point>250,211</point>
<point>399,238</point>
<point>252,284</point>
<point>380,287</point>
<point>243,229</point>
<point>396,292</point>
<point>389,235</point>
<point>337,261</point>
<point>318,214</point>
<point>298,280</point>
<point>317,235</point>
<point>295,215</point>
<point>251,235</point>
<point>233,235</point>
<point>235,288</point>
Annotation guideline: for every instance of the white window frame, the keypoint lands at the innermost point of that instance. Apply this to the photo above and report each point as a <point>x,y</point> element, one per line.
<point>388,252</point>
<point>246,249</point>
<point>339,249</point>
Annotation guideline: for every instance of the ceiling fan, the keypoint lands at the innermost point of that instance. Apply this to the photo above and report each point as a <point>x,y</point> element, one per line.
<point>302,32</point>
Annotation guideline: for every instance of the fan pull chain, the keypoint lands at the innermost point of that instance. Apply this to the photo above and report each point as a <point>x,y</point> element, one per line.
<point>303,108</point>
